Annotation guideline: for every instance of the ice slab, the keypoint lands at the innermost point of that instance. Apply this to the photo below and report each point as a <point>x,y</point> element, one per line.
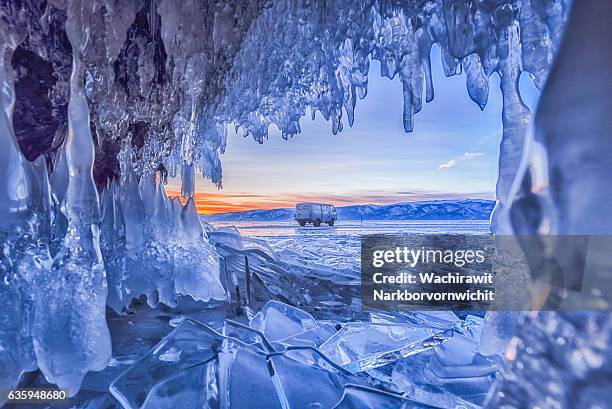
<point>360,346</point>
<point>313,337</point>
<point>278,321</point>
<point>246,381</point>
<point>453,371</point>
<point>304,378</point>
<point>183,357</point>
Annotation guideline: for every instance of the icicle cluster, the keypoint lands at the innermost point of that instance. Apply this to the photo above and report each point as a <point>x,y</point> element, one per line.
<point>154,245</point>
<point>61,262</point>
<point>172,76</point>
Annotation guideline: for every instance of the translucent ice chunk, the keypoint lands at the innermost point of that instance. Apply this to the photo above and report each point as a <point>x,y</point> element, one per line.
<point>407,375</point>
<point>278,321</point>
<point>175,366</point>
<point>228,236</point>
<point>436,319</point>
<point>195,367</point>
<point>247,335</point>
<point>360,346</point>
<point>190,388</point>
<point>304,378</point>
<point>313,337</point>
<point>452,371</point>
<point>246,381</point>
<point>459,358</point>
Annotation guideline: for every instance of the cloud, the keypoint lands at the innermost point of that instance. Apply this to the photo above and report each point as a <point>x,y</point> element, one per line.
<point>448,164</point>
<point>466,156</point>
<point>471,155</point>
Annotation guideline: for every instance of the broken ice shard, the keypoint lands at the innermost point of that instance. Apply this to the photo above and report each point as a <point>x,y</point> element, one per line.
<point>449,372</point>
<point>178,364</point>
<point>246,382</point>
<point>360,346</point>
<point>278,321</point>
<point>305,378</point>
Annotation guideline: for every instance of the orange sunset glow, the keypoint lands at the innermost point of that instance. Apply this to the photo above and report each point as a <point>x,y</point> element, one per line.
<point>210,203</point>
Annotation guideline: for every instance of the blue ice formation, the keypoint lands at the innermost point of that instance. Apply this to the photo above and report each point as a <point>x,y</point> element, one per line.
<point>114,96</point>
<point>276,362</point>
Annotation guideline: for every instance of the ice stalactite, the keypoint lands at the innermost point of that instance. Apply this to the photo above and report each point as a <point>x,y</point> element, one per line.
<point>526,44</point>
<point>515,116</point>
<point>187,180</point>
<point>18,265</point>
<point>174,75</point>
<point>70,334</point>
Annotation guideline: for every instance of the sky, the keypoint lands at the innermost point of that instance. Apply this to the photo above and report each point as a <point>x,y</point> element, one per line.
<point>452,153</point>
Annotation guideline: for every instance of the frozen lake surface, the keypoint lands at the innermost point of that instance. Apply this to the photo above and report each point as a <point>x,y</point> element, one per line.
<point>339,246</point>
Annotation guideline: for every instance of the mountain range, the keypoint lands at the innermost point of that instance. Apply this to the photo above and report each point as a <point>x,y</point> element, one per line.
<point>467,209</point>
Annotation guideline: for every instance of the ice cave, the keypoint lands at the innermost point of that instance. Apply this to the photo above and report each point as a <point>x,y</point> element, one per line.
<point>104,100</point>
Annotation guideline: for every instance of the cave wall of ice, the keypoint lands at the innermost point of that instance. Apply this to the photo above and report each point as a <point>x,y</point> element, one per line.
<point>564,359</point>
<point>102,99</point>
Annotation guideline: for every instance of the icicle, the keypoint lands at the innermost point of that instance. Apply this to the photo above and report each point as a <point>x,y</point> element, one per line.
<point>515,117</point>
<point>17,267</point>
<point>15,191</point>
<point>112,241</point>
<point>69,344</point>
<point>424,43</point>
<point>411,75</point>
<point>477,81</point>
<point>132,206</point>
<point>188,180</point>
<point>59,177</point>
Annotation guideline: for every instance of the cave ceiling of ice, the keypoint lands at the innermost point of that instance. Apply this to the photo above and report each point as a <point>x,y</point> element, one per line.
<point>169,77</point>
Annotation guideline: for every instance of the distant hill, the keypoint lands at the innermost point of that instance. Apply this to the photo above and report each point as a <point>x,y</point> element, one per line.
<point>468,209</point>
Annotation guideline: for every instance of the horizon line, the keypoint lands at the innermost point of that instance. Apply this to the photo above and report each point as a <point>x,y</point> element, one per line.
<point>214,204</point>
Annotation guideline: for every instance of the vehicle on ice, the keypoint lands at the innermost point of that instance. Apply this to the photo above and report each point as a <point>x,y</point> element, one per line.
<point>315,213</point>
